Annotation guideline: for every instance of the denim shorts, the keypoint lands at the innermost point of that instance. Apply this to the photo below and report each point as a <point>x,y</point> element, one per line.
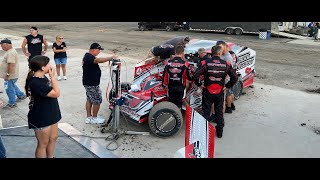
<point>229,91</point>
<point>60,60</point>
<point>40,129</point>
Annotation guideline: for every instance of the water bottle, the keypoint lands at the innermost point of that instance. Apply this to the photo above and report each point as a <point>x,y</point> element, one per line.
<point>5,84</point>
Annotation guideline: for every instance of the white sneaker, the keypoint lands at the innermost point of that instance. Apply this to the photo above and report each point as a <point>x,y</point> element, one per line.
<point>65,77</point>
<point>97,120</point>
<point>59,78</point>
<point>88,120</point>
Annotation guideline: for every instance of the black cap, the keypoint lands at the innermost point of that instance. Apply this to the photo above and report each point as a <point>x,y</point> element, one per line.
<point>7,41</point>
<point>96,46</point>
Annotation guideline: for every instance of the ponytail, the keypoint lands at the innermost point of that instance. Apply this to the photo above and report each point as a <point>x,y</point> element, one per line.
<point>26,87</point>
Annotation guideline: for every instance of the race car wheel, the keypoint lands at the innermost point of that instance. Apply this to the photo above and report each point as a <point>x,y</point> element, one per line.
<point>237,31</point>
<point>142,27</point>
<point>165,119</point>
<point>237,89</point>
<point>229,31</point>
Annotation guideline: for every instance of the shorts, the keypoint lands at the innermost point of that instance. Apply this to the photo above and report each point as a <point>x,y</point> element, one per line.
<point>40,129</point>
<point>60,60</point>
<point>230,91</point>
<point>93,94</point>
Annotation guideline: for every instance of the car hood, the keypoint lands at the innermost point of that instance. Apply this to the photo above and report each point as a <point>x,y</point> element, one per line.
<point>194,45</point>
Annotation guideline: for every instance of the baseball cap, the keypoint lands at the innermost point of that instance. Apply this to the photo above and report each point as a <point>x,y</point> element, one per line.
<point>221,42</point>
<point>7,41</point>
<point>96,46</point>
<point>201,50</point>
<point>187,39</point>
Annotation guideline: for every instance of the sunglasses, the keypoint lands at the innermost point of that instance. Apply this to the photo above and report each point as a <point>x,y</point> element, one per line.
<point>60,38</point>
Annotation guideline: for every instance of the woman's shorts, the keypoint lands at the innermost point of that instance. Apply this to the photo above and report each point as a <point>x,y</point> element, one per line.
<point>60,60</point>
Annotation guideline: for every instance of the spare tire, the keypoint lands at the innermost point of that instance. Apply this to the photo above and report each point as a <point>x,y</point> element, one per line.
<point>165,119</point>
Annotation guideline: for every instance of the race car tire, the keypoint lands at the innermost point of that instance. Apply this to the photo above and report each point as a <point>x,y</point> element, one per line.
<point>229,31</point>
<point>237,89</point>
<point>159,116</point>
<point>238,31</point>
<point>142,27</point>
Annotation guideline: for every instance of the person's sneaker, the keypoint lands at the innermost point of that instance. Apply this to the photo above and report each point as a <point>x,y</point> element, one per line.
<point>233,107</point>
<point>228,110</point>
<point>65,77</point>
<point>88,120</point>
<point>97,120</point>
<point>9,106</point>
<point>59,78</point>
<point>21,98</point>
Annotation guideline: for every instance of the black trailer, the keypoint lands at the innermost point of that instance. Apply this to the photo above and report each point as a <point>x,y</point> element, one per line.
<point>231,27</point>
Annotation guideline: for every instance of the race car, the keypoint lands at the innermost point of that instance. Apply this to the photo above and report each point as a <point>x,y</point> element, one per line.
<point>146,100</point>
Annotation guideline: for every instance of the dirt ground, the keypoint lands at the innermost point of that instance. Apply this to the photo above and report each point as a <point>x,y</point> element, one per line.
<point>278,64</point>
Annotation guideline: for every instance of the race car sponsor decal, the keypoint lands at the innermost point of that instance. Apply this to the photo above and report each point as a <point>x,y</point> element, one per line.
<point>139,71</point>
<point>175,70</point>
<point>200,133</point>
<point>244,60</point>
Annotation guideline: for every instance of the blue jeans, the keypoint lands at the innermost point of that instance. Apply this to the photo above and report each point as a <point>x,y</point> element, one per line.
<point>2,149</point>
<point>13,91</point>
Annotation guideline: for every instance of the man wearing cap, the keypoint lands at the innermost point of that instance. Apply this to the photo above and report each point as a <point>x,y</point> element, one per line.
<point>9,71</point>
<point>91,81</point>
<point>178,40</point>
<point>34,42</point>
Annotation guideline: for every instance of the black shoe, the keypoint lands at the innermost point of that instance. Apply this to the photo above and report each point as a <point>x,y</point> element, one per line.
<point>19,99</point>
<point>233,107</point>
<point>219,134</point>
<point>228,110</point>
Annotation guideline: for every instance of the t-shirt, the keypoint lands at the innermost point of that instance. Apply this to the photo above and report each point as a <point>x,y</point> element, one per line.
<point>43,110</point>
<point>91,71</point>
<point>34,44</point>
<point>228,57</point>
<point>10,56</point>
<point>164,51</point>
<point>175,41</point>
<point>59,47</point>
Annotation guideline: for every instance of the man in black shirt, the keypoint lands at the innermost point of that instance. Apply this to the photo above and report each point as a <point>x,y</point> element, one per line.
<point>161,52</point>
<point>34,42</point>
<point>91,81</point>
